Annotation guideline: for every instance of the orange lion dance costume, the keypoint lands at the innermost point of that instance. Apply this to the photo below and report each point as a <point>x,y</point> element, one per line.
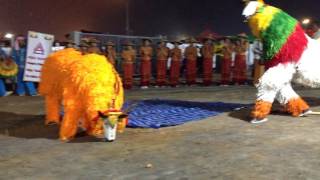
<point>85,85</point>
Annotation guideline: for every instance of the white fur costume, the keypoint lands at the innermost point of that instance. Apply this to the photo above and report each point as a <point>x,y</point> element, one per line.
<point>276,82</point>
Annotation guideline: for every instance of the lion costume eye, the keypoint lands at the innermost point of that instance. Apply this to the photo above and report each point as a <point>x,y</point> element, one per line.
<point>102,115</point>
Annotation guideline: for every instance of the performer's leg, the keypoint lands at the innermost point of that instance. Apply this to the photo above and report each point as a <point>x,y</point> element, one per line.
<point>292,102</point>
<point>161,72</point>
<point>69,124</point>
<point>225,72</point>
<point>127,76</point>
<point>269,86</point>
<point>242,70</point>
<point>94,127</point>
<point>52,110</point>
<point>30,88</point>
<point>145,70</point>
<point>207,72</point>
<point>20,84</point>
<point>191,72</point>
<point>148,73</point>
<point>85,122</point>
<point>2,88</point>
<point>235,72</point>
<point>173,74</point>
<point>243,76</point>
<point>188,72</point>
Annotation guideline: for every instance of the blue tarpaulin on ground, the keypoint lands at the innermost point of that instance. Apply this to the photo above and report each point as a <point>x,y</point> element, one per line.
<point>163,113</point>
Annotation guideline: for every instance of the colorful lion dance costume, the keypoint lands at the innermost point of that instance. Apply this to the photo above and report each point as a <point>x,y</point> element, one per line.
<point>289,54</point>
<point>85,85</point>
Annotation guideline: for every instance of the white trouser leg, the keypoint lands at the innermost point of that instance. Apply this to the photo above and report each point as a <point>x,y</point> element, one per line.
<point>273,81</point>
<point>286,93</point>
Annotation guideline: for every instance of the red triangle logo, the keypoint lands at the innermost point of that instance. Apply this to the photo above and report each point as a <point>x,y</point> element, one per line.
<point>38,49</point>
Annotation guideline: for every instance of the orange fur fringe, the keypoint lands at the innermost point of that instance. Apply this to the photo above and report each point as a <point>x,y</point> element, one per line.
<point>296,106</point>
<point>261,109</point>
<point>84,85</point>
<point>53,75</point>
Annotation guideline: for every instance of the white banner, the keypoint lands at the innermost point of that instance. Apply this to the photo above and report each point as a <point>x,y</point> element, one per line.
<point>39,48</point>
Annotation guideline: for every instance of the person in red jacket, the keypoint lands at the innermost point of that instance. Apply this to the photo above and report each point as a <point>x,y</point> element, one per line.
<point>207,55</point>
<point>128,55</point>
<point>240,63</point>
<point>176,58</point>
<point>191,54</point>
<point>227,51</point>
<point>162,59</point>
<point>110,52</point>
<point>146,52</point>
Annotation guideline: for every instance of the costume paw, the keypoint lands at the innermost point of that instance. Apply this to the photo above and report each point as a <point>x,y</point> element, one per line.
<point>305,113</point>
<point>65,139</point>
<point>51,123</point>
<point>258,121</point>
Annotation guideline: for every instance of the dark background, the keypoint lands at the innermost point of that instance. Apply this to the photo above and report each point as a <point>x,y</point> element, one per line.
<point>147,17</point>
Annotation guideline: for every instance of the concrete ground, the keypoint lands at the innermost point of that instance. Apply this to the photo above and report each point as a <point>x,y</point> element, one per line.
<point>222,147</point>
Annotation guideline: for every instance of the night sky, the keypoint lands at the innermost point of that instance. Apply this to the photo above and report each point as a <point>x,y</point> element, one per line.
<point>147,17</point>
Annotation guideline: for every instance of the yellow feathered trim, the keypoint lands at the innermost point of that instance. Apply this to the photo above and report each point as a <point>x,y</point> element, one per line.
<point>8,68</point>
<point>261,21</point>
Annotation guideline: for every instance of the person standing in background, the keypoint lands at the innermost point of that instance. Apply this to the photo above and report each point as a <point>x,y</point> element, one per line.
<point>314,30</point>
<point>176,59</point>
<point>128,55</point>
<point>83,47</point>
<point>240,64</point>
<point>226,62</point>
<point>190,54</point>
<point>94,46</point>
<point>19,54</point>
<point>207,55</point>
<point>218,46</point>
<point>162,59</point>
<point>111,53</point>
<point>71,44</point>
<point>3,57</point>
<point>146,52</point>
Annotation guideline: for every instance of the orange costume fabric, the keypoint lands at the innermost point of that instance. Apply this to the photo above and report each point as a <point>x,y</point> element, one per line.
<point>85,85</point>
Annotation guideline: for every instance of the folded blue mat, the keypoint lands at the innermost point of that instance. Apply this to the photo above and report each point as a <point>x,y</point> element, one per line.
<point>163,113</point>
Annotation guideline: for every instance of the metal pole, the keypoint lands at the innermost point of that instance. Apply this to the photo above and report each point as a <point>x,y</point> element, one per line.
<point>127,17</point>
